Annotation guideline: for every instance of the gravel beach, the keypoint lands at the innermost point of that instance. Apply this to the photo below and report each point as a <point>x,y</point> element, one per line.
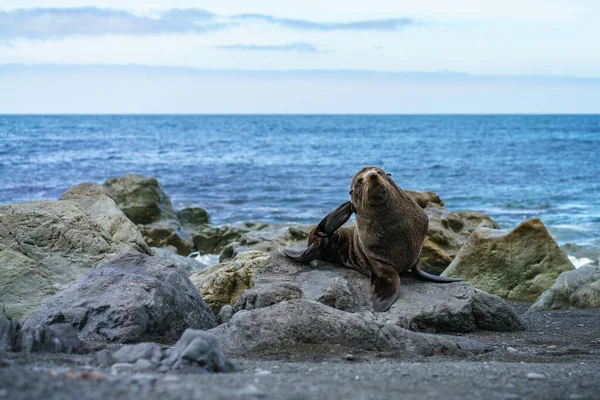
<point>557,357</point>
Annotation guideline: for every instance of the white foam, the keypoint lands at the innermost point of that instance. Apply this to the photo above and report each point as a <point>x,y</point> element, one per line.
<point>579,262</point>
<point>206,260</point>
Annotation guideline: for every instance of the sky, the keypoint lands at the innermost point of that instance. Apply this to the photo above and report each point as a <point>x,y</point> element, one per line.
<point>272,56</point>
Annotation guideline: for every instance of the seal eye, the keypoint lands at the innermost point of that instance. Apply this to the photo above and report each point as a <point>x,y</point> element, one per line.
<point>360,180</point>
<point>351,190</point>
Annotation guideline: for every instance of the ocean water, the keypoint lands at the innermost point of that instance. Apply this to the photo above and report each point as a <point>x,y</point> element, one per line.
<point>284,168</point>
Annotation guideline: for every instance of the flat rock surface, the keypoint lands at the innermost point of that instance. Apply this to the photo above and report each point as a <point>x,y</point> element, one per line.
<point>421,306</point>
<point>557,357</point>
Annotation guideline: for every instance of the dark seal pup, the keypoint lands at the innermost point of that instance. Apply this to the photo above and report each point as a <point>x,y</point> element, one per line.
<point>388,237</point>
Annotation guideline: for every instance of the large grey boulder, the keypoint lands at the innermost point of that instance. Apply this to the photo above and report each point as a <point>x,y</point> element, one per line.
<point>573,289</point>
<point>131,297</point>
<point>141,198</point>
<point>44,246</point>
<point>296,325</point>
<point>518,264</point>
<point>421,306</point>
<point>94,201</point>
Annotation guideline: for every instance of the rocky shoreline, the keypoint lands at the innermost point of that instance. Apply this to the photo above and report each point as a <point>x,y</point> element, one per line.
<point>103,272</point>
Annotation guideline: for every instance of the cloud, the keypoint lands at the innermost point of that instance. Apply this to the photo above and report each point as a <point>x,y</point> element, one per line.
<point>389,24</point>
<point>300,47</point>
<point>62,22</point>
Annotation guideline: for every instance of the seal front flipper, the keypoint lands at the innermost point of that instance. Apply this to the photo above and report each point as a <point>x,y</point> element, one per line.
<point>311,253</point>
<point>385,286</point>
<point>419,273</point>
<point>319,237</point>
<point>335,219</point>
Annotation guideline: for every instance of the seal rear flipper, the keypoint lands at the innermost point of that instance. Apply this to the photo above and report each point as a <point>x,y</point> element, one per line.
<point>311,253</point>
<point>335,219</point>
<point>419,273</point>
<point>385,287</point>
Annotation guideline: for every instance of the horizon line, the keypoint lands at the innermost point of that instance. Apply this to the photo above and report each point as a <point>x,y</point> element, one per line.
<point>19,67</point>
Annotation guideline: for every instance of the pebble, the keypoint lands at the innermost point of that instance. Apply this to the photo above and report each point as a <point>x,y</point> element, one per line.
<point>143,364</point>
<point>259,371</point>
<point>119,368</point>
<point>349,357</point>
<point>3,393</point>
<point>552,346</point>
<point>512,350</point>
<point>534,376</point>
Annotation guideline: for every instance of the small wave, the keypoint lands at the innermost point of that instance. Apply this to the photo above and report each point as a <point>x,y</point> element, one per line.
<point>579,262</point>
<point>510,206</point>
<point>206,260</point>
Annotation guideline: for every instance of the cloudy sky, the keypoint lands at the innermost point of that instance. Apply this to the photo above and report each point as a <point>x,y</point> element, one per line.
<point>183,56</point>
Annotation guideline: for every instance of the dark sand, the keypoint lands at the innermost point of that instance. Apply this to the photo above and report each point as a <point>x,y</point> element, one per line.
<point>560,348</point>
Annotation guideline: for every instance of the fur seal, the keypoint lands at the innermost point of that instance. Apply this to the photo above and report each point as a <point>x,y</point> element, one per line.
<point>387,239</point>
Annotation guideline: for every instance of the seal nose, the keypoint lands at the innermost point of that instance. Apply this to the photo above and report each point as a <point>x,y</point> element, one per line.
<point>372,176</point>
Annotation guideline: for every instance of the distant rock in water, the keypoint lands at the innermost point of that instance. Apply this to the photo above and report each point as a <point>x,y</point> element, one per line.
<point>146,204</point>
<point>518,264</point>
<point>572,289</point>
<point>141,198</point>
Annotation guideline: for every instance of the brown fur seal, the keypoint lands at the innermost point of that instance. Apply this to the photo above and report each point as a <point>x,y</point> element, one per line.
<point>387,239</point>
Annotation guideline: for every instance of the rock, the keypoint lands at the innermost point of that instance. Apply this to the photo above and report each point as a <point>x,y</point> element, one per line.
<point>519,264</point>
<point>295,324</point>
<point>186,264</point>
<point>193,217</point>
<point>129,298</point>
<point>200,349</point>
<point>166,236</point>
<point>94,201</point>
<point>44,246</point>
<point>141,198</point>
<point>59,338</point>
<point>267,294</point>
<point>424,199</point>
<point>225,314</point>
<point>119,368</point>
<point>265,237</point>
<point>573,289</point>
<point>473,220</point>
<point>212,239</point>
<point>224,283</point>
<point>446,234</point>
<point>421,306</point>
<point>534,376</point>
<point>8,333</point>
<point>132,353</point>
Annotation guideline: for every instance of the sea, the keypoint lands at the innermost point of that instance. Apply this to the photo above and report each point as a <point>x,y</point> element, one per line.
<point>296,168</point>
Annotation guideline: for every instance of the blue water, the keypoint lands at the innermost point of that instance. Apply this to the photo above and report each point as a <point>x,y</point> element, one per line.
<point>297,168</point>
